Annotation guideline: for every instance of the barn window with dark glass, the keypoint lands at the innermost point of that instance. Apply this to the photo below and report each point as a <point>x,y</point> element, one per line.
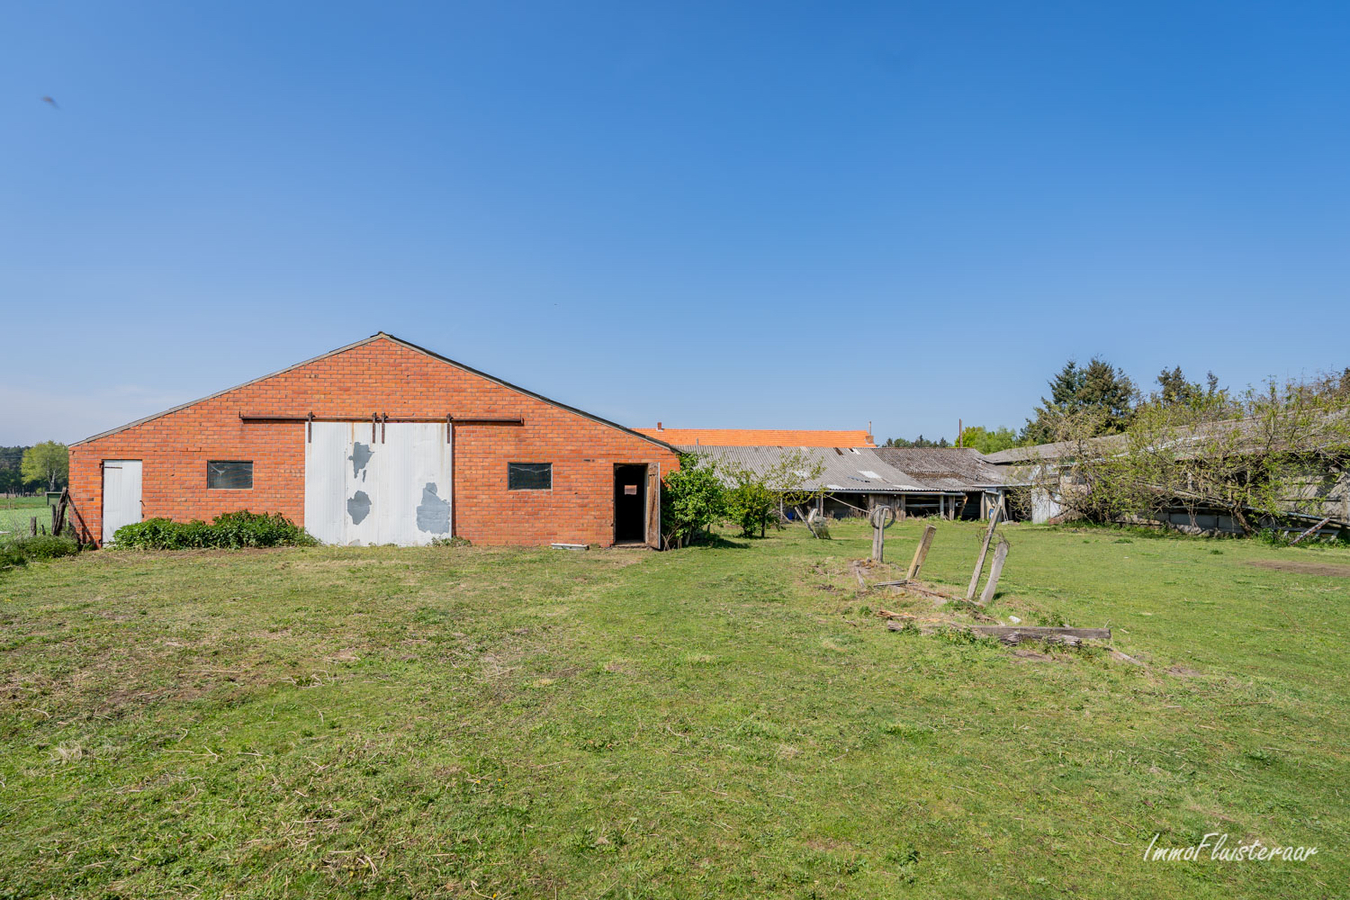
<point>229,475</point>
<point>529,476</point>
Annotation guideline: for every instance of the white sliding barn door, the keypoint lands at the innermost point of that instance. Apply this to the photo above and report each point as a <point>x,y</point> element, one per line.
<point>360,492</point>
<point>121,495</point>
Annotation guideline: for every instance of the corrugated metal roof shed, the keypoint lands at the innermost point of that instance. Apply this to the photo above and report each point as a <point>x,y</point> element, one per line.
<point>847,469</point>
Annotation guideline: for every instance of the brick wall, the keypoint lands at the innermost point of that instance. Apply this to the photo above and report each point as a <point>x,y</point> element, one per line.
<point>377,376</point>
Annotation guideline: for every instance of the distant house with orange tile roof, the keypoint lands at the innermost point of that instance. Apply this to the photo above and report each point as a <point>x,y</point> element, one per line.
<point>757,437</point>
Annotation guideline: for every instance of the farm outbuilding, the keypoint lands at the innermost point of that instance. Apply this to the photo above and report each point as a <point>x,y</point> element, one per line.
<point>855,480</point>
<point>381,442</point>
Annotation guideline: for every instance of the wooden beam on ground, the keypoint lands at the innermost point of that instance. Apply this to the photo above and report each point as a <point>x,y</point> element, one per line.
<point>921,552</point>
<point>1318,527</point>
<point>1009,634</point>
<point>1013,634</point>
<point>1000,555</point>
<point>984,551</point>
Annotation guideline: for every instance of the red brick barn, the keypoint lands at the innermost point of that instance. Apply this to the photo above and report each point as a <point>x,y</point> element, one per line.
<point>380,442</point>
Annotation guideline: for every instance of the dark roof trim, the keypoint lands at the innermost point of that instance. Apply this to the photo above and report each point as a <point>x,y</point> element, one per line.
<point>402,343</point>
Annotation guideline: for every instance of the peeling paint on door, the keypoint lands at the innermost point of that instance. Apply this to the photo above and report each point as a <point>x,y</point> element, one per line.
<point>358,507</point>
<point>361,454</point>
<point>396,491</point>
<point>433,515</point>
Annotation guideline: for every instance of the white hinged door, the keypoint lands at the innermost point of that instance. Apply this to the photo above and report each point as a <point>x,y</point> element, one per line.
<point>121,495</point>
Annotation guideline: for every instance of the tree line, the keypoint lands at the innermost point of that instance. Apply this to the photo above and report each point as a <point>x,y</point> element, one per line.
<point>40,467</point>
<point>1103,400</point>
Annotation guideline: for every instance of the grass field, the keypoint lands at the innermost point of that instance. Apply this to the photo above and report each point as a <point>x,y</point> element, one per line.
<point>16,514</point>
<point>724,721</point>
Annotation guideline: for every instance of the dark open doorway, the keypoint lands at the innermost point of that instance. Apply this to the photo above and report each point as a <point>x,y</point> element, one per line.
<point>630,504</point>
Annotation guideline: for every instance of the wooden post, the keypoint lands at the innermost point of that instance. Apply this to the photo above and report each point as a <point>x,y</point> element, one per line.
<point>34,526</point>
<point>881,518</point>
<point>995,571</point>
<point>984,551</point>
<point>921,552</point>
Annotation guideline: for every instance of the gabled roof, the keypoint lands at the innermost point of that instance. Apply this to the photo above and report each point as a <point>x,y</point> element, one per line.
<point>758,437</point>
<point>380,335</point>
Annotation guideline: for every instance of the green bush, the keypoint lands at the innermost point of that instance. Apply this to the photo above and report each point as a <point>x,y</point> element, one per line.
<point>229,531</point>
<point>692,501</point>
<point>48,546</point>
<point>19,551</point>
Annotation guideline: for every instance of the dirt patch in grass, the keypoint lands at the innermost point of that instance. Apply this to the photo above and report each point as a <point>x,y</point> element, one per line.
<point>1300,567</point>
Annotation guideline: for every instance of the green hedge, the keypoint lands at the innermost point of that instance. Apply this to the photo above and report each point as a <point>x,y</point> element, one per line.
<point>229,531</point>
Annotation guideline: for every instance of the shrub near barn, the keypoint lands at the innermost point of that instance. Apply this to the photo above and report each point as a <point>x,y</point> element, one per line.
<point>229,531</point>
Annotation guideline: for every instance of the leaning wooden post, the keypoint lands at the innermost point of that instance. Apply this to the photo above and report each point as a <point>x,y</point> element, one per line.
<point>1318,527</point>
<point>984,551</point>
<point>995,571</point>
<point>921,552</point>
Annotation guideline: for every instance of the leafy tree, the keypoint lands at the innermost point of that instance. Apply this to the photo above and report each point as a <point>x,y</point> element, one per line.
<point>11,474</point>
<point>986,441</point>
<point>1175,390</point>
<point>47,462</point>
<point>750,503</point>
<point>1099,387</point>
<point>692,500</point>
<point>755,498</point>
<point>1256,457</point>
<point>919,442</point>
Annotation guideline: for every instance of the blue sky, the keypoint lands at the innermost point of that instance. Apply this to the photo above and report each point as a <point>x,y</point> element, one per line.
<point>756,214</point>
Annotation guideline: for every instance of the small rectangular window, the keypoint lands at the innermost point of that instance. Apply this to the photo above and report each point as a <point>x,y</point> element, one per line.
<point>229,475</point>
<point>529,476</point>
